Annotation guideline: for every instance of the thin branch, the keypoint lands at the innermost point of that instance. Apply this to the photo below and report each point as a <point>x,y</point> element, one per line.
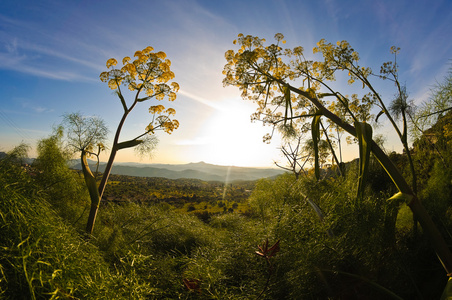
<point>436,112</point>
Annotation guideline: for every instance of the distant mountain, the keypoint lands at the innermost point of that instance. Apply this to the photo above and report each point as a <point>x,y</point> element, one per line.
<point>24,160</point>
<point>200,170</point>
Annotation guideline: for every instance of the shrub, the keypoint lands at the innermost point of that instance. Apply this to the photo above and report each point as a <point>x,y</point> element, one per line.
<point>42,257</point>
<point>346,247</point>
<point>63,188</point>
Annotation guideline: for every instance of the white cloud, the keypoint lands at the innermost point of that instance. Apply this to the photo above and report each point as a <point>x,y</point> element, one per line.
<point>36,108</point>
<point>33,64</point>
<point>11,47</point>
<point>200,99</point>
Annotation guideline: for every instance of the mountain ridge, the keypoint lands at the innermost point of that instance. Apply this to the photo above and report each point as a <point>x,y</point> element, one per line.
<point>200,170</point>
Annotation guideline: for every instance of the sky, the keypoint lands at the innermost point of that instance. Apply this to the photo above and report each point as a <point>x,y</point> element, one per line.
<point>52,52</point>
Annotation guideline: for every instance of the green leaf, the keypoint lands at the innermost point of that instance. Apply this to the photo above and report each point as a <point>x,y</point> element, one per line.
<point>364,135</point>
<point>402,196</point>
<point>378,115</point>
<point>315,141</point>
<point>447,294</point>
<point>144,99</point>
<point>129,144</point>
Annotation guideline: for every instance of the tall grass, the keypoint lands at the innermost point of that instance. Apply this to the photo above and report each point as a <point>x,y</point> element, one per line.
<point>136,252</point>
<point>354,248</point>
<point>354,251</point>
<point>166,248</point>
<point>41,256</point>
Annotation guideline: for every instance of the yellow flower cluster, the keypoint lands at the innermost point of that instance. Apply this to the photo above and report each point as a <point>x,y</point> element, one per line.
<point>165,77</point>
<point>148,50</point>
<point>129,68</point>
<point>156,109</point>
<point>172,96</point>
<point>170,126</point>
<point>148,72</point>
<point>147,67</point>
<point>114,83</point>
<point>160,96</point>
<point>111,62</point>
<point>150,128</point>
<point>163,122</point>
<point>170,111</point>
<point>175,86</point>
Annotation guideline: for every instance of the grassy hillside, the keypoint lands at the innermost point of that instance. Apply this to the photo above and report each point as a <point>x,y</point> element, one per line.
<point>284,238</point>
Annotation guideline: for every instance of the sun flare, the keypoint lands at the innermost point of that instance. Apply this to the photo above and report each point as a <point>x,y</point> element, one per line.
<point>231,138</point>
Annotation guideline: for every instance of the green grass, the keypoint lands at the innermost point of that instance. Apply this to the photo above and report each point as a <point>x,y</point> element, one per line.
<point>362,248</point>
<point>208,207</point>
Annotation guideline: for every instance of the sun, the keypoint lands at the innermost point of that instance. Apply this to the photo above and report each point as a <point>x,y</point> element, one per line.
<point>231,139</point>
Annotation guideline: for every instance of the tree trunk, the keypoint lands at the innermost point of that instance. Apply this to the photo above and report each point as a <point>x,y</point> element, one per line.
<point>99,192</point>
<point>103,182</point>
<point>90,181</point>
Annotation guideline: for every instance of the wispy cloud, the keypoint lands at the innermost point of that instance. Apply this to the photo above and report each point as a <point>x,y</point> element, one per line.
<point>56,54</point>
<point>51,74</point>
<point>22,50</point>
<point>200,100</point>
<point>30,63</point>
<point>11,47</point>
<point>37,108</point>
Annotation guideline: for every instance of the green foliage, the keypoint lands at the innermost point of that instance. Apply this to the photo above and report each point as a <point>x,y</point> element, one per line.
<point>354,251</point>
<point>437,195</point>
<point>270,197</point>
<point>63,187</point>
<point>438,104</point>
<point>163,248</point>
<point>84,133</point>
<point>41,257</point>
<point>175,192</point>
<point>433,145</point>
<point>239,271</point>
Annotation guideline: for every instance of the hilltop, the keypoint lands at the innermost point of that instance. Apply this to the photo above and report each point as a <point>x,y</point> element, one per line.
<point>199,170</point>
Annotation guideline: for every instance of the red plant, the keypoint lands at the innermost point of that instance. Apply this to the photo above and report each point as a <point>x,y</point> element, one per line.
<point>267,253</point>
<point>193,284</point>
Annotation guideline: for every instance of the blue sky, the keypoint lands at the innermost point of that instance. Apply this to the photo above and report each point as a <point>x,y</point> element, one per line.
<point>52,52</point>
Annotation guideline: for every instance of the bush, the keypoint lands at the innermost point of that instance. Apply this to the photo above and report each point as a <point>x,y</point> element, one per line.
<point>42,257</point>
<point>437,196</point>
<point>62,187</point>
<point>334,244</point>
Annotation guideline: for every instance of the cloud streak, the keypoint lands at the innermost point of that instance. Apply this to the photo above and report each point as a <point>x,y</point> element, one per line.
<point>201,100</point>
